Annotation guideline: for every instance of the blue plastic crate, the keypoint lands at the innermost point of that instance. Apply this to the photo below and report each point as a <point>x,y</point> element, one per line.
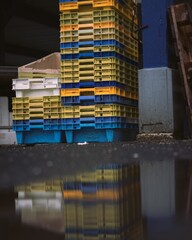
<point>93,84</point>
<point>98,99</point>
<point>39,136</point>
<point>21,125</point>
<point>100,135</point>
<point>52,124</point>
<point>96,43</point>
<point>96,123</point>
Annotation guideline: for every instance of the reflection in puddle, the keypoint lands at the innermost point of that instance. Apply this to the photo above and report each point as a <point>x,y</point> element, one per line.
<point>150,200</point>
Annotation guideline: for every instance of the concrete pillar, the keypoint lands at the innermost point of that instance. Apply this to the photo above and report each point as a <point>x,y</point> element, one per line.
<point>160,96</point>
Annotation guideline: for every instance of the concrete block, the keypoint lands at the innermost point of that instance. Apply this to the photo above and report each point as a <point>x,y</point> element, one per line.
<point>4,112</point>
<point>7,137</point>
<point>161,106</point>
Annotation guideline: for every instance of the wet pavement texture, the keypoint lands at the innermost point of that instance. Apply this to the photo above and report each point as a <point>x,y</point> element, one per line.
<point>21,164</point>
<point>114,191</point>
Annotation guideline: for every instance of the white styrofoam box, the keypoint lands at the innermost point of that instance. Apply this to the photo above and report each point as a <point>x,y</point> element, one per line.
<point>38,92</point>
<point>7,137</point>
<point>35,83</point>
<point>4,112</point>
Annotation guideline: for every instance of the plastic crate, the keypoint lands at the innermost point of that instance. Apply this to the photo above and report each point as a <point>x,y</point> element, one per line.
<point>99,123</point>
<point>86,84</point>
<point>36,107</point>
<point>98,99</point>
<point>105,110</point>
<point>35,83</point>
<point>39,136</point>
<point>125,9</point>
<point>84,92</point>
<point>98,55</point>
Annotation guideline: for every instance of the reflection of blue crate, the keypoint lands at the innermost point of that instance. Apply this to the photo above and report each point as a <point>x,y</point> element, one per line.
<point>92,187</point>
<point>98,55</point>
<point>97,99</point>
<point>94,232</point>
<point>39,136</point>
<point>100,135</point>
<point>93,84</point>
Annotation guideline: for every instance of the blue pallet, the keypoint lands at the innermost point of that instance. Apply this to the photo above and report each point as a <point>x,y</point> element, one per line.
<point>91,54</point>
<point>100,135</point>
<point>93,84</point>
<point>96,43</point>
<point>98,99</point>
<point>39,136</point>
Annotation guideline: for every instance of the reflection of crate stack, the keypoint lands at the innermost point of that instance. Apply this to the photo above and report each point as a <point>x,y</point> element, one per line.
<point>37,102</point>
<point>98,67</point>
<point>105,204</point>
<point>41,204</point>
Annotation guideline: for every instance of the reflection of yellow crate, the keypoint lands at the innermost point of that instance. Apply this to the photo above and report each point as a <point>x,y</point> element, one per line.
<point>53,185</point>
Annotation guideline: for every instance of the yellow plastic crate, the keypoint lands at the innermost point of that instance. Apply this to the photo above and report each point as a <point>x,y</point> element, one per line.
<point>98,91</point>
<point>125,10</point>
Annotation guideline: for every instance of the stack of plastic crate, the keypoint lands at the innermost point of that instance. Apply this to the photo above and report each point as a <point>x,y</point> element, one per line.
<point>98,70</point>
<point>105,204</point>
<point>37,105</point>
<point>37,110</point>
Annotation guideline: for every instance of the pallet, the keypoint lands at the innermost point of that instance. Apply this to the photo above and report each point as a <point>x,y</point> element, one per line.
<point>39,136</point>
<point>98,99</point>
<point>96,135</point>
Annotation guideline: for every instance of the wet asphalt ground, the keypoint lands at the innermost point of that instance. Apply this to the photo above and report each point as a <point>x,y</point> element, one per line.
<point>24,164</point>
